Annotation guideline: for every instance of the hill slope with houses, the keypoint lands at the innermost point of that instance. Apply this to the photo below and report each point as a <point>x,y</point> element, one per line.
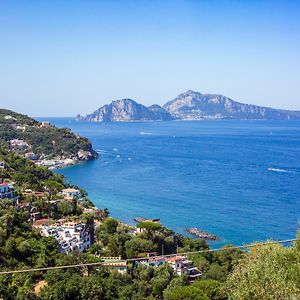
<point>43,142</point>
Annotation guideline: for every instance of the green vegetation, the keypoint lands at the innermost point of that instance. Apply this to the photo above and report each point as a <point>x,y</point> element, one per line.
<point>26,174</point>
<point>265,272</point>
<point>268,272</point>
<point>47,141</point>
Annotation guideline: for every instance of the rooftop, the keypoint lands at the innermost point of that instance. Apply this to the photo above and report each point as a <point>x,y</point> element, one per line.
<point>175,258</point>
<point>70,190</point>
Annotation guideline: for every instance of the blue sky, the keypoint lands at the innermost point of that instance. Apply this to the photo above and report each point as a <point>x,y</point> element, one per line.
<point>60,58</point>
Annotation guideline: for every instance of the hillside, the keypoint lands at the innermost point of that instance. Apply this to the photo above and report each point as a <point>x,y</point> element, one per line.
<point>196,106</point>
<point>127,110</point>
<point>187,106</point>
<point>38,140</point>
<point>264,271</point>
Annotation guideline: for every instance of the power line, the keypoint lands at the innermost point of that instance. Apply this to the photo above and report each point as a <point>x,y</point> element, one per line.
<point>145,258</point>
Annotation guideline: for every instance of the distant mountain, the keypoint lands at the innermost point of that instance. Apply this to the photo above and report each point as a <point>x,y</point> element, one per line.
<point>127,110</point>
<point>196,106</point>
<point>187,106</point>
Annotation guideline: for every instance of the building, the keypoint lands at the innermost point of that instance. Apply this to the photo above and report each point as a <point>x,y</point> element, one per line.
<point>32,156</point>
<point>21,128</point>
<point>45,124</point>
<point>6,190</point>
<point>120,266</point>
<point>71,194</point>
<point>19,145</point>
<point>31,193</point>
<point>34,213</point>
<point>72,236</point>
<point>8,117</point>
<point>153,261</point>
<point>181,265</point>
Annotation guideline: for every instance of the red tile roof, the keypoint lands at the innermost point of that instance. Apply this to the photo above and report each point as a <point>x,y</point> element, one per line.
<point>175,258</point>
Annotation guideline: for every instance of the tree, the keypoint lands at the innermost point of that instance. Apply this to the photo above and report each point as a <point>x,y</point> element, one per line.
<point>150,228</point>
<point>109,225</point>
<point>65,208</point>
<point>217,272</point>
<point>211,288</point>
<point>266,272</point>
<point>53,186</point>
<point>138,245</point>
<point>185,293</point>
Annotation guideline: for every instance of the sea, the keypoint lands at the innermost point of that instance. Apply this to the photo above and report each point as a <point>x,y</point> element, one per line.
<point>239,180</point>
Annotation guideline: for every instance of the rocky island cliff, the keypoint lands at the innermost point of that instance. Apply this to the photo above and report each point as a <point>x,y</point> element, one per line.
<point>127,110</point>
<point>187,106</point>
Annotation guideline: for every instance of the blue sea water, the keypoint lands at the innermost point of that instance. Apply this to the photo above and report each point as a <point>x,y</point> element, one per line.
<point>209,174</point>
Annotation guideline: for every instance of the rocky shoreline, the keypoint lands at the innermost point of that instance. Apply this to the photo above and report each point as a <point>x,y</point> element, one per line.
<point>62,162</point>
<point>202,234</point>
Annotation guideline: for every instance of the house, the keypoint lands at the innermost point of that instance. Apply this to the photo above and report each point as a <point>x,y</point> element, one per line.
<point>72,236</point>
<point>38,224</point>
<point>34,213</point>
<point>121,266</point>
<point>8,117</point>
<point>155,261</point>
<point>21,128</point>
<point>45,124</point>
<point>181,265</point>
<point>71,193</point>
<point>32,156</point>
<point>29,192</point>
<point>6,190</point>
<point>20,145</point>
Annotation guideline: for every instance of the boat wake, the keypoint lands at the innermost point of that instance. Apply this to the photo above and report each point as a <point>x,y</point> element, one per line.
<point>279,170</point>
<point>145,133</point>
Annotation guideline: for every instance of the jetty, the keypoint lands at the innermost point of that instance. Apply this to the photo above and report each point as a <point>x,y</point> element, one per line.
<point>202,234</point>
<point>141,219</point>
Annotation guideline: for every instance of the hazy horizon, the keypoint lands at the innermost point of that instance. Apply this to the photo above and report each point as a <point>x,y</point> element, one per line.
<point>70,116</point>
<point>64,58</point>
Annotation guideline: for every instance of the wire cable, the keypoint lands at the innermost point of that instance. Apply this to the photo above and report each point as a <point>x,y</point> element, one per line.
<point>146,258</point>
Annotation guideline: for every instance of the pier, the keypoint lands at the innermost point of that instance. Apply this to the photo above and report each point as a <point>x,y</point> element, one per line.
<point>202,234</point>
<point>141,219</point>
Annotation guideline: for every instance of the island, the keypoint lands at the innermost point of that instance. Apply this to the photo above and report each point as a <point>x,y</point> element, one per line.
<point>187,106</point>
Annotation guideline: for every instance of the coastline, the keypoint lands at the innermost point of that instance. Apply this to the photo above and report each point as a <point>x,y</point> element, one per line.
<point>55,164</point>
<point>194,190</point>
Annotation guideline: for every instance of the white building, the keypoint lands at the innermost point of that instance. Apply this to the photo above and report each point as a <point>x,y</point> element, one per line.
<point>8,117</point>
<point>71,193</point>
<point>181,265</point>
<point>70,235</point>
<point>20,145</point>
<point>45,124</point>
<point>21,128</point>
